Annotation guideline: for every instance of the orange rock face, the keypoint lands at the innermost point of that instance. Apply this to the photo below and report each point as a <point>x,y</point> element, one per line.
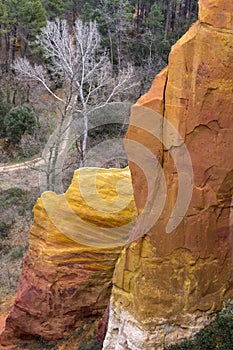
<point>63,281</point>
<point>217,13</point>
<point>166,284</point>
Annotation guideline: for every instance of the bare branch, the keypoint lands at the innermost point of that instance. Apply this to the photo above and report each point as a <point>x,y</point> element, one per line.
<point>77,60</point>
<point>36,73</point>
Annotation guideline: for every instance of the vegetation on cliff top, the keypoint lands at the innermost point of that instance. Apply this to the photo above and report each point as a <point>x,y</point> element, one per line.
<point>216,335</point>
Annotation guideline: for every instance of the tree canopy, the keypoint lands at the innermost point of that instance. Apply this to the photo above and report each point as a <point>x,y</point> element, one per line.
<point>125,26</point>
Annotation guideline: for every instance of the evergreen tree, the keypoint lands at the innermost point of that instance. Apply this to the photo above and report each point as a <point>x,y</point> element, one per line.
<point>54,8</point>
<point>20,20</point>
<point>32,18</point>
<point>118,18</point>
<point>156,20</point>
<point>89,13</point>
<point>18,121</point>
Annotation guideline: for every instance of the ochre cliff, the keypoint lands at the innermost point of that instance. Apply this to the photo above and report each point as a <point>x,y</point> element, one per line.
<point>63,281</point>
<point>167,284</point>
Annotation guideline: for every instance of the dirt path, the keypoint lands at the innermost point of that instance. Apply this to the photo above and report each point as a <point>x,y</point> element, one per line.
<point>23,175</point>
<point>30,164</point>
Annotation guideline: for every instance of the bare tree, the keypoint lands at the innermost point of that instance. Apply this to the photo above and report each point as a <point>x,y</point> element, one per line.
<point>75,59</point>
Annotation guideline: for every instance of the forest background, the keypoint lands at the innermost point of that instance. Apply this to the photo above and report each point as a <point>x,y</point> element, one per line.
<point>139,33</point>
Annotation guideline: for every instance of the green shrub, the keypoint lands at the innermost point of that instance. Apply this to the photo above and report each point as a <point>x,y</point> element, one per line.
<point>40,344</point>
<point>218,335</point>
<point>4,229</point>
<point>93,345</point>
<point>18,121</point>
<point>17,252</point>
<point>44,344</point>
<point>13,201</point>
<point>15,196</point>
<point>14,193</point>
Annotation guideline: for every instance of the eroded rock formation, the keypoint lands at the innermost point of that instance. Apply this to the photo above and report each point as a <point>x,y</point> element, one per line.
<point>167,284</point>
<point>63,281</point>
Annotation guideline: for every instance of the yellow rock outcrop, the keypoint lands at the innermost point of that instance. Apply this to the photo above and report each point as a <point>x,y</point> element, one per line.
<point>63,281</point>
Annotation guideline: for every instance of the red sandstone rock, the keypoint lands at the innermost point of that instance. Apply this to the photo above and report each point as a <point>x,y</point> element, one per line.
<point>102,326</point>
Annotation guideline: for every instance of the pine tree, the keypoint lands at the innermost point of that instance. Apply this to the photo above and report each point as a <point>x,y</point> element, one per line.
<point>54,8</point>
<point>118,18</point>
<point>20,20</point>
<point>31,18</point>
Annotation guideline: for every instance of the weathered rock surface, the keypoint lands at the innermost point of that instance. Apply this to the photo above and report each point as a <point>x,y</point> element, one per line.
<point>63,281</point>
<point>166,285</point>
